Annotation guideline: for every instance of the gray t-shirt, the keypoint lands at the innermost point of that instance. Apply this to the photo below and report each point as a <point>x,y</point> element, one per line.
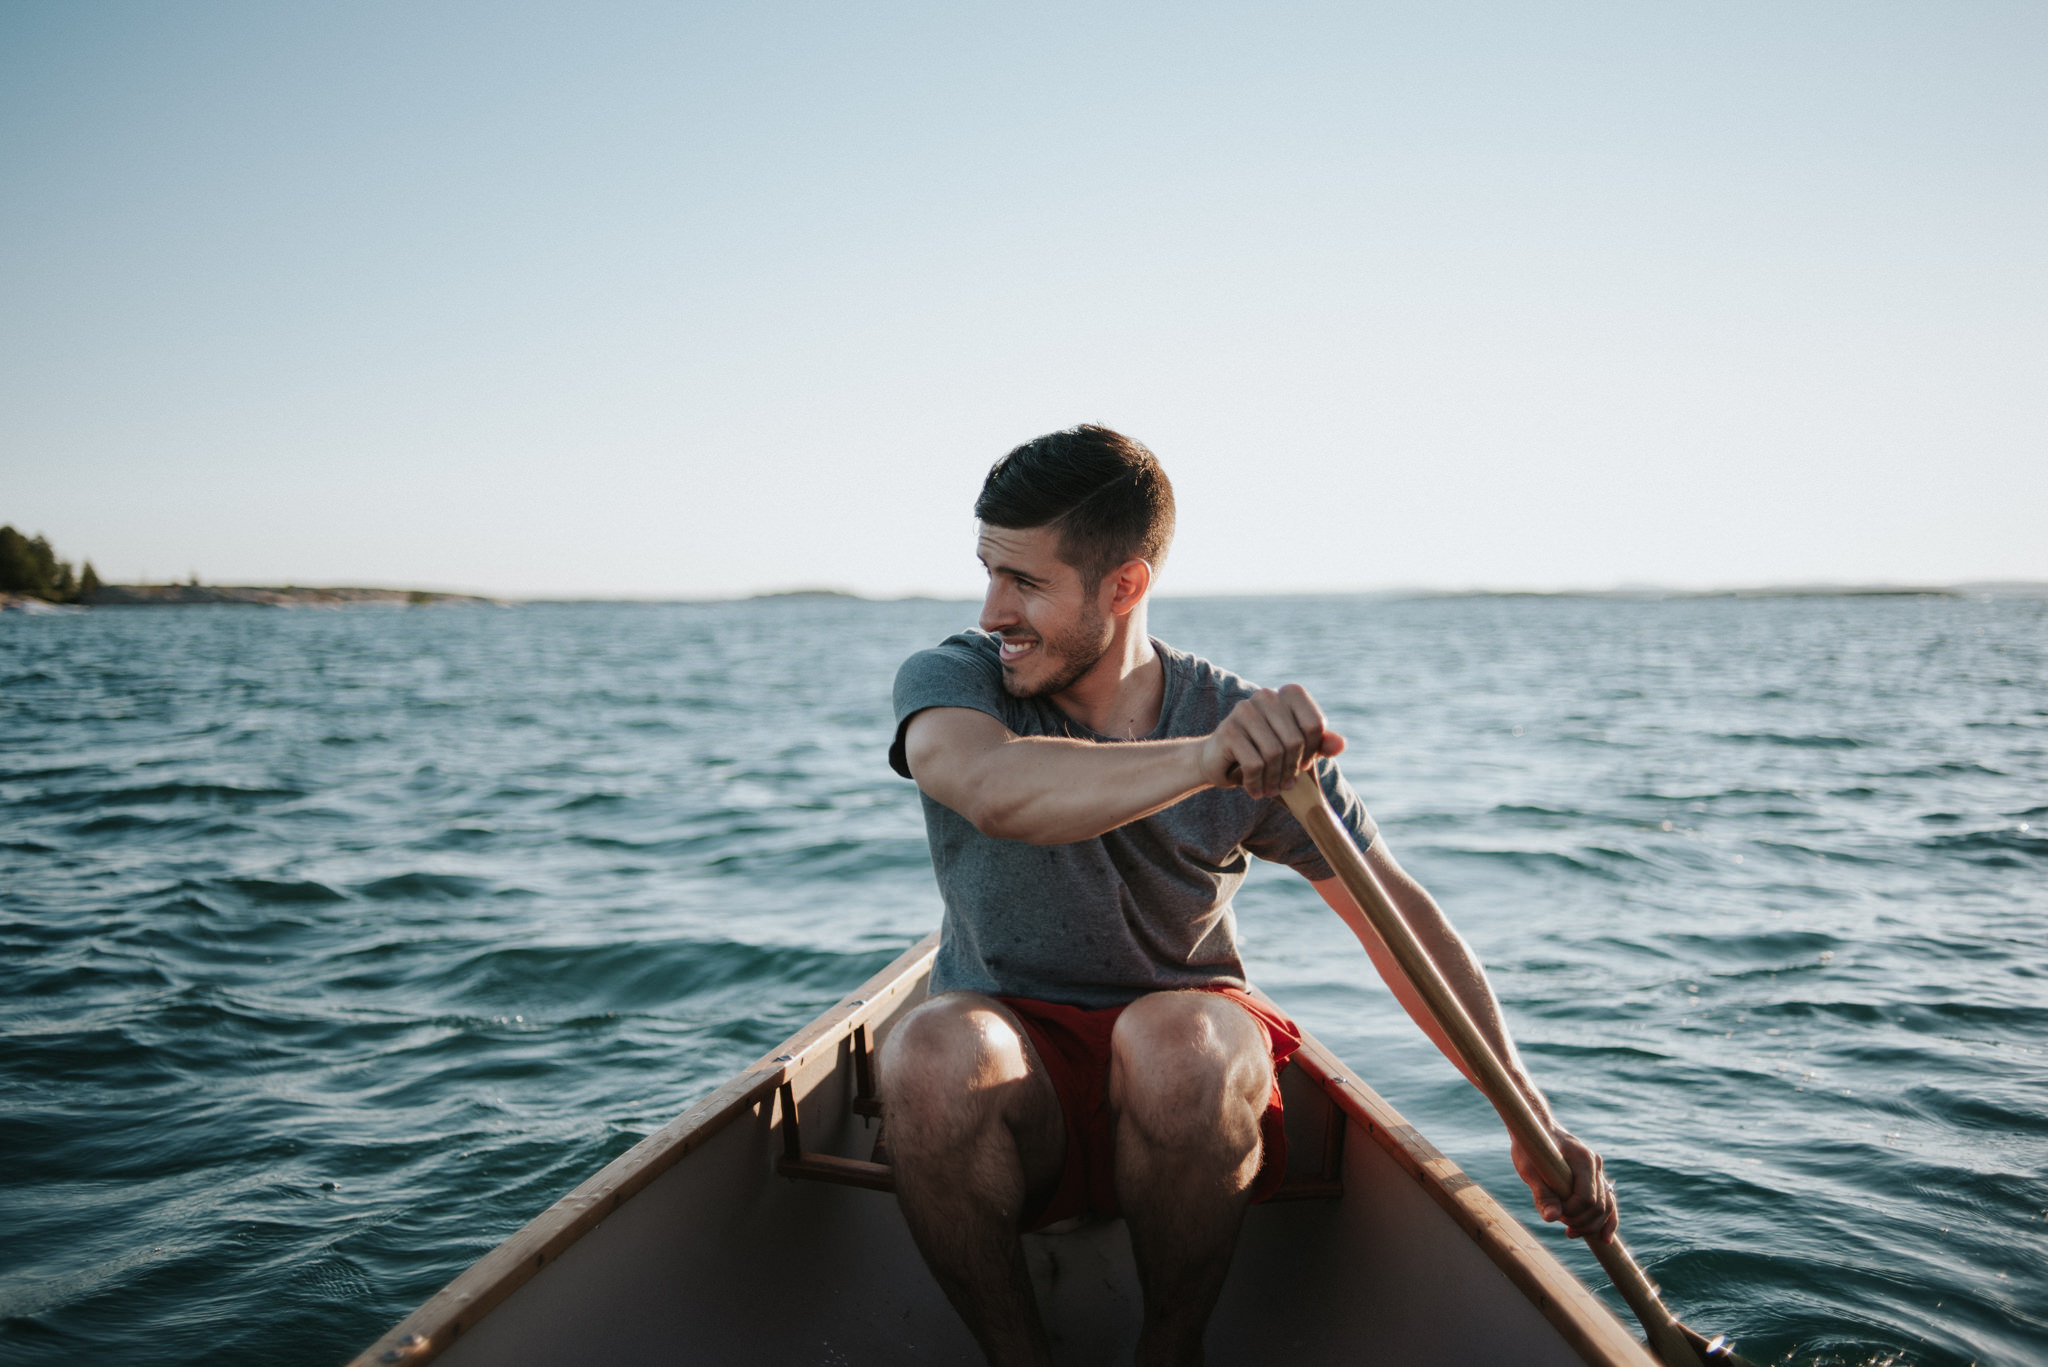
<point>1100,922</point>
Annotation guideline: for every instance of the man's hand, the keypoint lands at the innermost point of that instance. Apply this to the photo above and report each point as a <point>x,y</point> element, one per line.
<point>1590,1212</point>
<point>1265,740</point>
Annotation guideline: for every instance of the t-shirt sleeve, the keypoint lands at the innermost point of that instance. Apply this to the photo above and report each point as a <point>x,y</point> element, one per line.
<point>1282,839</point>
<point>954,673</point>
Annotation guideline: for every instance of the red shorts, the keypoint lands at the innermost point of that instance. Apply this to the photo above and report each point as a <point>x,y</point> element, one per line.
<point>1073,1044</point>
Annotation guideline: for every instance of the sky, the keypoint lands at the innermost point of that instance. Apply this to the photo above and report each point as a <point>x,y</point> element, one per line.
<point>668,300</point>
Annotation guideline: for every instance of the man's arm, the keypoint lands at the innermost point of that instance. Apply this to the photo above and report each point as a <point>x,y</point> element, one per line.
<point>1044,790</point>
<point>1047,790</point>
<point>1590,1209</point>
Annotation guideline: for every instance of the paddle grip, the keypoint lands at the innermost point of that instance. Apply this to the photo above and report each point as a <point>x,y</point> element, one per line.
<point>1306,800</point>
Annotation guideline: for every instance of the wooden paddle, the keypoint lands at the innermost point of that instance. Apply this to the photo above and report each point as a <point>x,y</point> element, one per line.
<point>1677,1345</point>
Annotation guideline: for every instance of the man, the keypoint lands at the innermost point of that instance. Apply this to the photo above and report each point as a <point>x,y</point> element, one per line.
<point>1091,796</point>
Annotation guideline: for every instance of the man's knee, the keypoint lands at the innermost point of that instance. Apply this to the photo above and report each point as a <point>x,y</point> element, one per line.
<point>948,1059</point>
<point>1191,1062</point>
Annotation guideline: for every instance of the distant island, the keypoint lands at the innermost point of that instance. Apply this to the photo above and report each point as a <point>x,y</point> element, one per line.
<point>33,578</point>
<point>30,571</point>
<point>289,596</point>
<point>254,596</point>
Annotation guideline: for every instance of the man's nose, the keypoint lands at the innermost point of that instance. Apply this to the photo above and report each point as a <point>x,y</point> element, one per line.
<point>998,609</point>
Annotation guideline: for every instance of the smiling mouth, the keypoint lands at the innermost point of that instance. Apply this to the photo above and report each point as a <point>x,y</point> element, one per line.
<point>1014,649</point>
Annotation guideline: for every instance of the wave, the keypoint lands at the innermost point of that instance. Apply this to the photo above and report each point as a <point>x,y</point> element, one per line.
<point>631,975</point>
<point>1948,769</point>
<point>1551,861</point>
<point>1779,946</point>
<point>425,887</point>
<point>586,801</point>
<point>161,794</point>
<point>280,890</point>
<point>833,858</point>
<point>1795,740</point>
<point>2006,847</point>
<point>185,827</point>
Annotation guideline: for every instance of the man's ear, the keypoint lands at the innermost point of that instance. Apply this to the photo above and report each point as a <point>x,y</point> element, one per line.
<point>1128,584</point>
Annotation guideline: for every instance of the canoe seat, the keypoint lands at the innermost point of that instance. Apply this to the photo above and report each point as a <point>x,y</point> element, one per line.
<point>825,1167</point>
<point>876,1174</point>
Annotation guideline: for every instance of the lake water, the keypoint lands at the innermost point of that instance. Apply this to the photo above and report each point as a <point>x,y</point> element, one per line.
<point>339,944</point>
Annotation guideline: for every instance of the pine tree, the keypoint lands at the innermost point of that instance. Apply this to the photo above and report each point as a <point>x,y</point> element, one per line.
<point>28,565</point>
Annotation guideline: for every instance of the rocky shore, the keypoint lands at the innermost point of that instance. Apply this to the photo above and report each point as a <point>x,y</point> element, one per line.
<point>290,596</point>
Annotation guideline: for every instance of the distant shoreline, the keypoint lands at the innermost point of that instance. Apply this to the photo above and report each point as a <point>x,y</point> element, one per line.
<point>204,595</point>
<point>2004,588</point>
<point>295,596</point>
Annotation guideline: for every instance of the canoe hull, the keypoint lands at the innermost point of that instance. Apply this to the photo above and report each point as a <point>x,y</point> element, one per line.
<point>719,1260</point>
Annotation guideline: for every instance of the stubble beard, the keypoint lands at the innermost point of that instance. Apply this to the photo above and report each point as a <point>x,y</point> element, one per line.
<point>1077,651</point>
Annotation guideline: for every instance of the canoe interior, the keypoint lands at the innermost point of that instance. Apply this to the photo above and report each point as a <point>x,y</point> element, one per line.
<point>691,1249</point>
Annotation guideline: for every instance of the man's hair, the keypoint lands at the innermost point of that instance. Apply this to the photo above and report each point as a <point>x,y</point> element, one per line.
<point>1103,492</point>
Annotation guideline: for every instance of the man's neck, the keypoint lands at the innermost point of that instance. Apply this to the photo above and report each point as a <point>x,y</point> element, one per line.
<point>1122,695</point>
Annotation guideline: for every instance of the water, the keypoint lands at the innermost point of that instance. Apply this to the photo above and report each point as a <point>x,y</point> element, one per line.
<point>338,944</point>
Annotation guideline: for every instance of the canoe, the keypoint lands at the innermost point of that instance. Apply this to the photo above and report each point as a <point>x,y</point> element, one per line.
<point>754,1228</point>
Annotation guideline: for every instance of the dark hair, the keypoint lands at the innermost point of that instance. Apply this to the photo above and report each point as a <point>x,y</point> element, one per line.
<point>1104,492</point>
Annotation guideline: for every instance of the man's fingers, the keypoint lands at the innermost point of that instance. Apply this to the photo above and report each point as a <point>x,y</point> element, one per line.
<point>1245,763</point>
<point>1590,1211</point>
<point>1598,1223</point>
<point>1267,746</point>
<point>1318,739</point>
<point>1271,750</point>
<point>1268,738</point>
<point>1298,723</point>
<point>1307,716</point>
<point>1306,727</point>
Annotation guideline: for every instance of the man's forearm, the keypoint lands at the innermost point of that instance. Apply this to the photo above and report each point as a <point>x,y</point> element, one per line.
<point>1461,969</point>
<point>1046,790</point>
<point>1586,1204</point>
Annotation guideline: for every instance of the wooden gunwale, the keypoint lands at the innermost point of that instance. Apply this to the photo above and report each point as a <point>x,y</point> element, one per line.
<point>1580,1318</point>
<point>427,1332</point>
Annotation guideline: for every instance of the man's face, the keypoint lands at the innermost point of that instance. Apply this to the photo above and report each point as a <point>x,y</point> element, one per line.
<point>1052,628</point>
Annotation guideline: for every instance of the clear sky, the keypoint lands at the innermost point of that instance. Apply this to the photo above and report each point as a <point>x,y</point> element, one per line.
<point>694,300</point>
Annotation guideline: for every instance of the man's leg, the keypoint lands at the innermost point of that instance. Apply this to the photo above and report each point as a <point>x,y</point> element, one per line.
<point>1190,1073</point>
<point>976,1135</point>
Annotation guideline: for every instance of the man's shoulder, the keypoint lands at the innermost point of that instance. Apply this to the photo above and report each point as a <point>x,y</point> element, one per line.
<point>969,654</point>
<point>1200,691</point>
<point>973,641</point>
<point>1202,671</point>
<point>963,648</point>
<point>963,670</point>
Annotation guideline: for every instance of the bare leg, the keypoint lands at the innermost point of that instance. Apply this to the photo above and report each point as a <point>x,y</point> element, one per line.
<point>977,1135</point>
<point>1189,1077</point>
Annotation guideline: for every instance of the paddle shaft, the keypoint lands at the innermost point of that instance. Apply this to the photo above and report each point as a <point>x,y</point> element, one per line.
<point>1671,1340</point>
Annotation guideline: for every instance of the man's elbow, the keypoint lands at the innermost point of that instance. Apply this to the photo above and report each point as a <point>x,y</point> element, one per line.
<point>998,819</point>
<point>1004,818</point>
